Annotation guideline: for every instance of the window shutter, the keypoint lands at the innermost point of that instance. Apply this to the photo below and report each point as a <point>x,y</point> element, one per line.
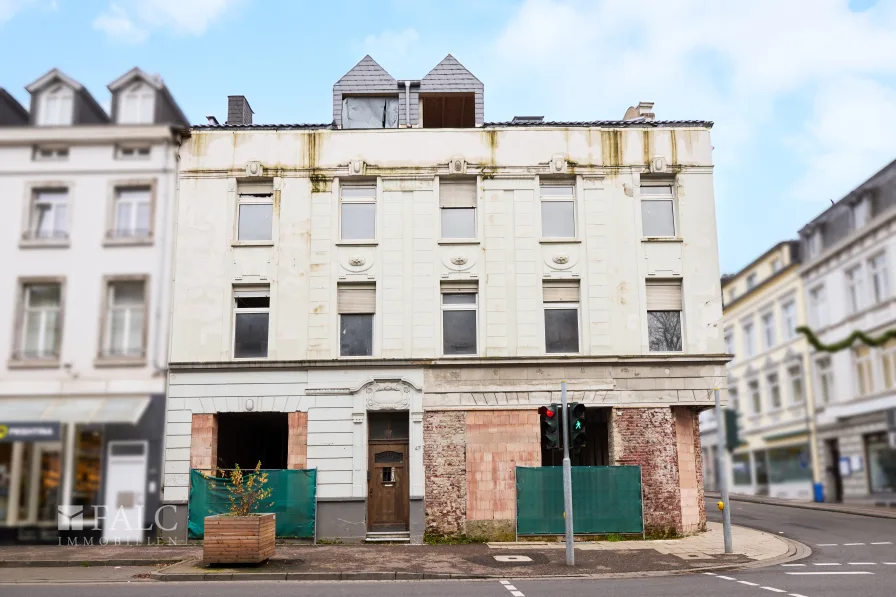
<point>457,194</point>
<point>251,291</point>
<point>566,291</point>
<point>663,295</point>
<point>459,287</point>
<point>255,188</point>
<point>356,298</point>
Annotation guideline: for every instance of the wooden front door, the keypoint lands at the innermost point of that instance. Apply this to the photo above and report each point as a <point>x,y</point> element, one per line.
<point>388,494</point>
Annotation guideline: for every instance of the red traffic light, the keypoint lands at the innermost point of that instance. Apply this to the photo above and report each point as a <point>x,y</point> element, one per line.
<point>546,411</point>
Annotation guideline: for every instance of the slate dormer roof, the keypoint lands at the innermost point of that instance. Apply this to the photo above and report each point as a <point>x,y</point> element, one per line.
<point>166,109</point>
<point>85,109</point>
<point>12,113</point>
<point>366,77</point>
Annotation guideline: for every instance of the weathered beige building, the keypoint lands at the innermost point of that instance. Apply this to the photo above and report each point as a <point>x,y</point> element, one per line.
<point>391,304</point>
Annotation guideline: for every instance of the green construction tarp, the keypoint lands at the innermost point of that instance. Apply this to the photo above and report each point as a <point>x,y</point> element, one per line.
<point>605,499</point>
<point>293,498</point>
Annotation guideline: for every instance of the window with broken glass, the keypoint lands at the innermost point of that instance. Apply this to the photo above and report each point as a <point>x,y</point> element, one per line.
<point>370,112</point>
<point>664,315</point>
<point>256,211</point>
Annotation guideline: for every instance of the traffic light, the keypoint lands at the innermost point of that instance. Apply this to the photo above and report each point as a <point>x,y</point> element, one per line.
<point>550,426</point>
<point>732,439</point>
<point>576,420</point>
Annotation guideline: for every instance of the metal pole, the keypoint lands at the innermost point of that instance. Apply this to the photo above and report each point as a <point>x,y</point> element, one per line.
<point>567,482</point>
<point>723,473</point>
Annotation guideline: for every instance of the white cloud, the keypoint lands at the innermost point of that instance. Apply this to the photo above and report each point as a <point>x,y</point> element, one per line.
<point>390,46</point>
<point>134,20</point>
<point>731,62</point>
<point>849,135</point>
<point>9,8</point>
<point>116,23</point>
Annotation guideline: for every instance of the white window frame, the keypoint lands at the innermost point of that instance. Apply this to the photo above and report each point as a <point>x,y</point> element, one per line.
<point>56,106</point>
<point>794,373</point>
<point>863,369</point>
<point>568,306</point>
<point>50,153</point>
<point>128,194</point>
<point>473,208</point>
<point>729,340</point>
<point>755,390</point>
<point>769,335</point>
<point>136,104</point>
<point>854,278</point>
<point>814,243</point>
<point>250,197</point>
<point>657,197</point>
<point>776,265</point>
<point>818,305</point>
<point>861,213</point>
<point>369,199</point>
<point>773,382</point>
<point>887,354</point>
<point>474,306</point>
<point>751,281</point>
<point>245,291</point>
<point>133,152</point>
<point>879,276</point>
<point>788,317</point>
<point>43,352</point>
<point>54,197</point>
<point>748,329</point>
<point>550,197</point>
<point>824,377</point>
<point>129,315</point>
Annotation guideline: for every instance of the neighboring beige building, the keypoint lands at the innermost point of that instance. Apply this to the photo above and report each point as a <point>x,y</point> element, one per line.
<point>767,380</point>
<point>429,287</point>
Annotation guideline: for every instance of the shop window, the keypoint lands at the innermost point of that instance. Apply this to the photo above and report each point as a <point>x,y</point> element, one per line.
<point>881,464</point>
<point>789,464</point>
<point>88,465</point>
<point>740,467</point>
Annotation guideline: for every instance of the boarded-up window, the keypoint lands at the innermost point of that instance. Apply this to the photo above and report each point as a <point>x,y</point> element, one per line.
<point>370,112</point>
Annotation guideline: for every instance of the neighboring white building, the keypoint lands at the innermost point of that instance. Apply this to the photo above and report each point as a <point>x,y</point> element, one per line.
<point>87,243</point>
<point>391,305</point>
<point>848,280</point>
<point>767,383</point>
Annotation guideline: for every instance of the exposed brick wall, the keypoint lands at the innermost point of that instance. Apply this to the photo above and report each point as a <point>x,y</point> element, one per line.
<point>687,470</point>
<point>204,442</point>
<point>297,440</point>
<point>698,456</point>
<point>445,466</point>
<point>646,437</point>
<point>497,442</point>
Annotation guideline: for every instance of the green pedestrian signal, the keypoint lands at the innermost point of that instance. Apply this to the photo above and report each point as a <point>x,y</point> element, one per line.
<point>576,423</point>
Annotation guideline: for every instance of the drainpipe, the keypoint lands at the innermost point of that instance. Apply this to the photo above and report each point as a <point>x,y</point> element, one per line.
<point>407,99</point>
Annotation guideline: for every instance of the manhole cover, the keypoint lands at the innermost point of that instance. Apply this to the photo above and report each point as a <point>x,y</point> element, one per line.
<point>512,559</point>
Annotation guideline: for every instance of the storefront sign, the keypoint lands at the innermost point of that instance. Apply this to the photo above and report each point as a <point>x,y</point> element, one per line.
<point>29,432</point>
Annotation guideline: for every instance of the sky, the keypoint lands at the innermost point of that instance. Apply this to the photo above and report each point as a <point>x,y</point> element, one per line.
<point>802,92</point>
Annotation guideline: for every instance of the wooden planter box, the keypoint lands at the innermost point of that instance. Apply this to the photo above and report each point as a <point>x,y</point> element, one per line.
<point>238,539</point>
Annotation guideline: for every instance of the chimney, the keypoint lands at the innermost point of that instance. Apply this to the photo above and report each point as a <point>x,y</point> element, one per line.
<point>643,111</point>
<point>238,110</point>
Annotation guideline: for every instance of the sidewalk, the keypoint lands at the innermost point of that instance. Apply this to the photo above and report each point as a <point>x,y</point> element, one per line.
<point>859,510</point>
<point>403,562</point>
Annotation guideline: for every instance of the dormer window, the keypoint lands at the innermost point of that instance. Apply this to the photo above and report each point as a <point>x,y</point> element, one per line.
<point>370,112</point>
<point>136,105</point>
<point>860,213</point>
<point>55,107</point>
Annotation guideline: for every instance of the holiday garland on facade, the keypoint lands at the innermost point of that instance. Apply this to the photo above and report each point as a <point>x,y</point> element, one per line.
<point>846,343</point>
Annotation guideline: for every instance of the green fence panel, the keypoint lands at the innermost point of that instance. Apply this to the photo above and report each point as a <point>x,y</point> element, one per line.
<point>293,493</point>
<point>605,499</point>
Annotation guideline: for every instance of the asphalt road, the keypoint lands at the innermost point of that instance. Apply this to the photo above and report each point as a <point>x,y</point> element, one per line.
<point>852,555</point>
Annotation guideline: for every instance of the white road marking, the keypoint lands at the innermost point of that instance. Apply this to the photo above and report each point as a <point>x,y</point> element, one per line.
<point>889,563</point>
<point>795,595</point>
<point>794,565</point>
<point>510,587</point>
<point>773,589</point>
<point>851,544</point>
<point>504,582</point>
<point>724,577</point>
<point>517,594</point>
<point>828,564</point>
<point>863,563</point>
<point>709,573</point>
<point>748,583</point>
<point>827,544</point>
<point>825,573</point>
<point>883,543</point>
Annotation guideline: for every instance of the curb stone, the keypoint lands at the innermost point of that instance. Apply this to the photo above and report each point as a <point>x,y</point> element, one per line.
<point>87,563</point>
<point>839,509</point>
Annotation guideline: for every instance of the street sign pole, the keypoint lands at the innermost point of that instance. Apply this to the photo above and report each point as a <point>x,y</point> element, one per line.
<point>721,466</point>
<point>567,481</point>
